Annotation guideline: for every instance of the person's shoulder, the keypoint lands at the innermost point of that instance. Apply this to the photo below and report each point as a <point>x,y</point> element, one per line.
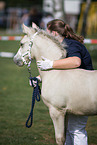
<point>72,42</point>
<point>76,43</point>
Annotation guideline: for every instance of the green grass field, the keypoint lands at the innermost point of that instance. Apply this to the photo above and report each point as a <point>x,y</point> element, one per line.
<point>15,104</point>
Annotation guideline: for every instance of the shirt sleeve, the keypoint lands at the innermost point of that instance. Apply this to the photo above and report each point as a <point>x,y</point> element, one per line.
<point>74,50</point>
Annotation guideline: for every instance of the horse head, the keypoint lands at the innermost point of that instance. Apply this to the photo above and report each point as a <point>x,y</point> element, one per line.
<point>37,43</point>
<point>24,53</point>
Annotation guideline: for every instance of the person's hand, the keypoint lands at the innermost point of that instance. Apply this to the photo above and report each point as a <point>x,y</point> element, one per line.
<point>35,82</point>
<point>45,64</point>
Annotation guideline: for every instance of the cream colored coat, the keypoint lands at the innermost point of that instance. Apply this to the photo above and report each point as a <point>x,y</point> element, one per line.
<point>73,91</point>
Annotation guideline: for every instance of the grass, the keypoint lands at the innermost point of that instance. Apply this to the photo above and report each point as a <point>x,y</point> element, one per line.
<point>15,103</point>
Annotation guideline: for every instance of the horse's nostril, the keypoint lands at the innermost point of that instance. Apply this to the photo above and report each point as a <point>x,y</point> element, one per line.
<point>18,62</point>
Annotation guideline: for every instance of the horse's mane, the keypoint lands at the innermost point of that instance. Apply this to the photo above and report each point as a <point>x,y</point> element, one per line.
<point>55,39</point>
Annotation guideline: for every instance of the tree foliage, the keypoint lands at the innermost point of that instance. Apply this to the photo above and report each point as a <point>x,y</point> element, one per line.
<point>88,3</point>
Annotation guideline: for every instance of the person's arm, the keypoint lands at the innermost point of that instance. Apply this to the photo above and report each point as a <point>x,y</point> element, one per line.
<point>66,63</point>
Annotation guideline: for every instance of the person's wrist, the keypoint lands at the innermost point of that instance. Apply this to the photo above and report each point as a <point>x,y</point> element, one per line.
<point>52,64</point>
<point>39,79</point>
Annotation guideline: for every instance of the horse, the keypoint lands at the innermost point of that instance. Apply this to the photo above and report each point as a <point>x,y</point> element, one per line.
<point>63,91</point>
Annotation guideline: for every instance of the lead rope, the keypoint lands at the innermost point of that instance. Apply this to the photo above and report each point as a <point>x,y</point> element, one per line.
<point>35,96</point>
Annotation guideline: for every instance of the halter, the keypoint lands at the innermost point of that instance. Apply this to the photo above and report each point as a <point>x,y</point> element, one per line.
<point>28,53</point>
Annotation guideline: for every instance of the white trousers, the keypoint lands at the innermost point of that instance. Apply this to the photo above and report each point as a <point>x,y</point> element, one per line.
<point>76,133</point>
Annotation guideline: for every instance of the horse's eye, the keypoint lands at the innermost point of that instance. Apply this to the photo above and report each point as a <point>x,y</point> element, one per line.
<point>21,44</point>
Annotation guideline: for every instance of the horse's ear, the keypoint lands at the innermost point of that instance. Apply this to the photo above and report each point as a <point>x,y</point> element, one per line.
<point>34,26</point>
<point>27,30</point>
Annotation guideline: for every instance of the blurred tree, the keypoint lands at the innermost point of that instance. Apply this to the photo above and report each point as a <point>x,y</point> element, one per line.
<point>83,32</point>
<point>59,9</point>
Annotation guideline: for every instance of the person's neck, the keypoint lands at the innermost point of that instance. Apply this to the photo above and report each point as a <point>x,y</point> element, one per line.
<point>61,39</point>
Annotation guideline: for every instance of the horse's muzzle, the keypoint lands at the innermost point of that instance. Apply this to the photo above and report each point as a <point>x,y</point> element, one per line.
<point>17,61</point>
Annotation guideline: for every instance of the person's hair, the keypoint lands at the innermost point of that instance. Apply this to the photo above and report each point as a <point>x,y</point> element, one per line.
<point>63,29</point>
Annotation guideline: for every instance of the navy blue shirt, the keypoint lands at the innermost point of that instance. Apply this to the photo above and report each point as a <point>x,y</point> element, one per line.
<point>75,48</point>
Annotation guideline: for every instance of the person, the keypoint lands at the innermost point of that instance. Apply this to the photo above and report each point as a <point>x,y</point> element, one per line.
<point>77,57</point>
<point>34,16</point>
<point>46,18</point>
<point>25,18</point>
